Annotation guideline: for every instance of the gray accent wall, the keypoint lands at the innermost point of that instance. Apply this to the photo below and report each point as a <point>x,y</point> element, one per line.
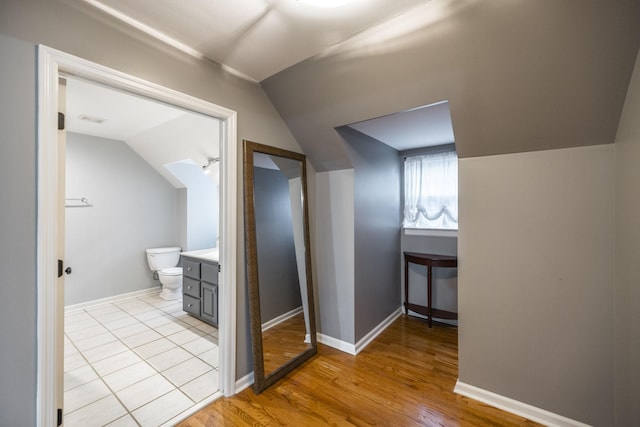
<point>134,208</point>
<point>627,283</point>
<point>17,233</point>
<point>536,274</point>
<point>277,265</point>
<point>78,29</point>
<point>377,220</point>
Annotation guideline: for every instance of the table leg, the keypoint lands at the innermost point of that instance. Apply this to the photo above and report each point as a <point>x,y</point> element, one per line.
<point>406,285</point>
<point>429,316</point>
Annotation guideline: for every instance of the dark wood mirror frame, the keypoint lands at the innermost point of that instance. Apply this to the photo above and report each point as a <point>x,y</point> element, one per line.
<point>263,380</point>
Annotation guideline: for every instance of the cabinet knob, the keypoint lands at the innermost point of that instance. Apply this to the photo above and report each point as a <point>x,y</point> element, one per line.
<point>189,305</point>
<point>189,287</point>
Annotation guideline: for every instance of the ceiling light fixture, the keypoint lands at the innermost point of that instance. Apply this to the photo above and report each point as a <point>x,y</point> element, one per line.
<point>210,161</point>
<point>327,4</point>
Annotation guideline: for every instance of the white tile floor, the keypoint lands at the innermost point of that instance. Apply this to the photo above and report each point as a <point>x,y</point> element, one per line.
<point>136,362</point>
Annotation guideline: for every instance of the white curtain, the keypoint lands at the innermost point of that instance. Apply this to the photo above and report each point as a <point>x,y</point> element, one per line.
<point>431,191</point>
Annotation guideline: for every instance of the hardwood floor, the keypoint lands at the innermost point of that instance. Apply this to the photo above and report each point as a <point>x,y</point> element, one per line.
<point>283,342</point>
<point>403,378</point>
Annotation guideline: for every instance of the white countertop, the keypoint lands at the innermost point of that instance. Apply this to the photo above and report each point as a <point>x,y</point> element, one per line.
<point>211,254</point>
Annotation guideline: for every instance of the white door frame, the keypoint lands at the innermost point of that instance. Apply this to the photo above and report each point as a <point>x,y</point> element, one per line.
<point>51,64</point>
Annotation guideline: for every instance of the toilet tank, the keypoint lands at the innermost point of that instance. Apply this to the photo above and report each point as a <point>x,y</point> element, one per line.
<point>159,258</point>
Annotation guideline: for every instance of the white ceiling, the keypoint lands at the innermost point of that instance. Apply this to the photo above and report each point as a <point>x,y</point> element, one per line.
<point>159,133</point>
<point>257,38</point>
<point>420,127</point>
<point>124,115</point>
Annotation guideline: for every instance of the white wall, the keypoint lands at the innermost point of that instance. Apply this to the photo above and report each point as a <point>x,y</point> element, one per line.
<point>134,208</point>
<point>627,289</point>
<point>200,208</point>
<point>334,255</point>
<point>535,279</point>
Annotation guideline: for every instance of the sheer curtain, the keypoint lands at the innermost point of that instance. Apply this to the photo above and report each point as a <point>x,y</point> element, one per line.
<point>431,191</point>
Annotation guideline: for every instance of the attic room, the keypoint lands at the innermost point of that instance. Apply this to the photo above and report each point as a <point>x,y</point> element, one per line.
<point>543,97</point>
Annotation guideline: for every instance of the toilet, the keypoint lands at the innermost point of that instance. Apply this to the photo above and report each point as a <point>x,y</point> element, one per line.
<point>163,261</point>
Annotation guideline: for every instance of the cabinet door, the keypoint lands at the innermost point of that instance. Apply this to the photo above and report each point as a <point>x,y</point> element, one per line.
<point>209,301</point>
<point>209,272</point>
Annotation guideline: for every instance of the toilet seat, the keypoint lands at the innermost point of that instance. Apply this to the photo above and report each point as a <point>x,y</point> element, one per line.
<point>173,271</point>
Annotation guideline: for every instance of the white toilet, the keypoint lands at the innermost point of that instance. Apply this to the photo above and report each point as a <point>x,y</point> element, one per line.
<point>163,261</point>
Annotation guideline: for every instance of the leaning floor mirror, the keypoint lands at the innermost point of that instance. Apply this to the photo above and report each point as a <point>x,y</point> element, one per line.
<point>281,304</point>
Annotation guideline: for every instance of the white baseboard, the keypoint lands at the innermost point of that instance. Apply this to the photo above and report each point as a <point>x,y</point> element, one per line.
<point>366,340</point>
<point>337,344</point>
<point>356,348</point>
<point>244,382</point>
<point>276,320</point>
<point>114,298</point>
<point>515,407</point>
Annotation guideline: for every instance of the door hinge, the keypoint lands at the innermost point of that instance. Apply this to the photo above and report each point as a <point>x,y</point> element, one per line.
<point>60,265</point>
<point>219,268</point>
<point>59,417</point>
<point>60,121</point>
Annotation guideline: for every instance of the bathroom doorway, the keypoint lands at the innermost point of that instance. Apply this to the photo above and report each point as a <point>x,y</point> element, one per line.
<point>127,348</point>
<point>54,64</point>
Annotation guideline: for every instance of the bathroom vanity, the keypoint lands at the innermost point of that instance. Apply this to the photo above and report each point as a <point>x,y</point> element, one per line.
<point>200,284</point>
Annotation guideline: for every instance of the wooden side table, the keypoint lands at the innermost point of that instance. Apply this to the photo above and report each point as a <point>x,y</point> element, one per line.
<point>430,260</point>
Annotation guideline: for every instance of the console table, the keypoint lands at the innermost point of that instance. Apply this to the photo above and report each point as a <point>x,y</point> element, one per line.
<point>430,260</point>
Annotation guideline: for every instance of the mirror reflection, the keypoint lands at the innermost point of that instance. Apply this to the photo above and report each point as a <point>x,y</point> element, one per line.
<point>283,330</point>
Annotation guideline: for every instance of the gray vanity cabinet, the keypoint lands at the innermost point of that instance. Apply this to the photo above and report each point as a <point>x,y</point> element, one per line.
<point>200,289</point>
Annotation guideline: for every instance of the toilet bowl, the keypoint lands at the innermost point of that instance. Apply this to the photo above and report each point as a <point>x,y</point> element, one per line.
<point>171,280</point>
<point>163,261</point>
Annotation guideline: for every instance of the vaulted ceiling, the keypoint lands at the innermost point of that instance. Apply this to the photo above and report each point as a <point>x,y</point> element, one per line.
<point>518,75</point>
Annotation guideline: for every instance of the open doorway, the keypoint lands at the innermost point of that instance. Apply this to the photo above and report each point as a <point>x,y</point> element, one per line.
<point>53,65</point>
<point>135,182</point>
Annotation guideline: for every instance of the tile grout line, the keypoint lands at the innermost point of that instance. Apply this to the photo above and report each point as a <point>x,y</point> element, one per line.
<point>162,309</point>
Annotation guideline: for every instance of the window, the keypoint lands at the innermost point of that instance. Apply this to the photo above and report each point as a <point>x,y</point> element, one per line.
<point>431,191</point>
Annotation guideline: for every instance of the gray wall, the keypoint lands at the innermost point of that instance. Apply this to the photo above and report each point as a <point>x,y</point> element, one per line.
<point>627,289</point>
<point>78,29</point>
<point>277,266</point>
<point>134,208</point>
<point>377,221</point>
<point>535,280</point>
<point>17,233</point>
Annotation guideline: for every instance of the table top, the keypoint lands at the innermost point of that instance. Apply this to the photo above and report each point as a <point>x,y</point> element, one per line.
<point>432,259</point>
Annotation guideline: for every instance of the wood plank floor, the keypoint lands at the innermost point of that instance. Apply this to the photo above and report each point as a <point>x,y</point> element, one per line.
<point>283,341</point>
<point>405,377</point>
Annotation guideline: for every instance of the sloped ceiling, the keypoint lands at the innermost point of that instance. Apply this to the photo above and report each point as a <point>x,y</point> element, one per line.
<point>256,38</point>
<point>519,75</point>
